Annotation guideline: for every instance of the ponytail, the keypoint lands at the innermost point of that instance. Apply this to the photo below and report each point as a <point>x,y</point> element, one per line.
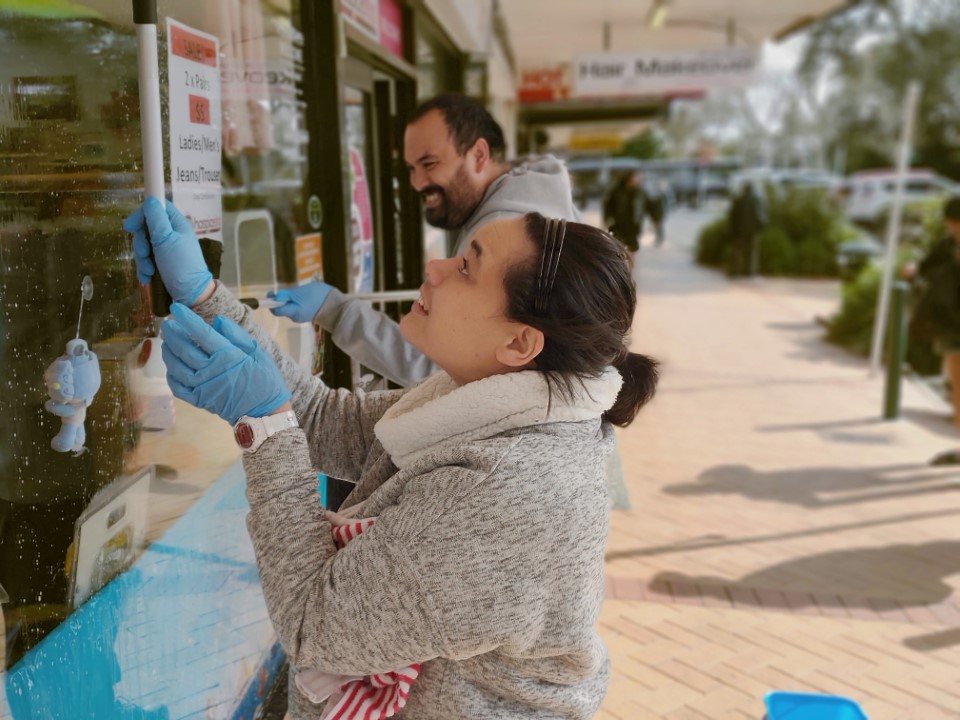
<point>585,314</point>
<point>640,374</point>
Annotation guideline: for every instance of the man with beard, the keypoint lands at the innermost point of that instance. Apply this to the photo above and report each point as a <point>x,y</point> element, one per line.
<point>454,151</point>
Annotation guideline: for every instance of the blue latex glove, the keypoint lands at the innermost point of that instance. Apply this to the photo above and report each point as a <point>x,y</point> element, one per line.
<point>219,368</point>
<point>175,249</point>
<point>301,303</point>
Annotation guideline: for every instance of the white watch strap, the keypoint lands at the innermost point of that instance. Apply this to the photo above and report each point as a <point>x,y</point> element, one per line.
<point>281,421</point>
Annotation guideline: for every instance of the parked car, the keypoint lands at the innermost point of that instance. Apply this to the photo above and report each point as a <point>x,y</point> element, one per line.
<point>869,193</point>
<point>782,178</point>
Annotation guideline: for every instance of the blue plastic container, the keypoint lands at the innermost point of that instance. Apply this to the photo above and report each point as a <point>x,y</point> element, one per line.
<point>783,705</point>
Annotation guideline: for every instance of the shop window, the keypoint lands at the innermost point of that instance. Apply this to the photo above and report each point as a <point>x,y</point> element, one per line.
<point>46,98</point>
<point>152,469</point>
<point>66,177</point>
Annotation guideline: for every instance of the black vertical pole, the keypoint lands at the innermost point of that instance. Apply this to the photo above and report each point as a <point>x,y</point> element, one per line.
<point>411,217</point>
<point>387,166</point>
<point>321,80</point>
<point>896,351</point>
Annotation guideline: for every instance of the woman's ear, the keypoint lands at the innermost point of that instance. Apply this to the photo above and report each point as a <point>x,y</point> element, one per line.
<point>521,348</point>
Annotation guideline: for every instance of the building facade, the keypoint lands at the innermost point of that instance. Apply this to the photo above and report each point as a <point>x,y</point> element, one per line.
<point>127,581</point>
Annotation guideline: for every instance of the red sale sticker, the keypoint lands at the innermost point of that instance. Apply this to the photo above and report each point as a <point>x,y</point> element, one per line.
<point>192,47</point>
<point>199,110</point>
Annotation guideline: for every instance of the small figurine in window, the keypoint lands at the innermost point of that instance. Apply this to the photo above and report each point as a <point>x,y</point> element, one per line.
<point>72,381</point>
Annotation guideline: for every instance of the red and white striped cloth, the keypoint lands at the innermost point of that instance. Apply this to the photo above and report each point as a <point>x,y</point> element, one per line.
<point>376,696</point>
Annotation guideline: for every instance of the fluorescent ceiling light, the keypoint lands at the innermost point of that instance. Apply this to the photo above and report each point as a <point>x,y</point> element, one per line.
<point>657,16</point>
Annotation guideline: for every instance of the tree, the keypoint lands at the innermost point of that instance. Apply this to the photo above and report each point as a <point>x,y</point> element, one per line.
<point>866,58</point>
<point>648,145</point>
<point>842,107</point>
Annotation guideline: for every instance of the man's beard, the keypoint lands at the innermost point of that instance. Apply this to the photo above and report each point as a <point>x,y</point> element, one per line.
<point>457,202</point>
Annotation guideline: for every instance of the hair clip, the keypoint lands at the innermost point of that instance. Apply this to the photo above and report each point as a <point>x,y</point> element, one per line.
<point>561,232</point>
<point>554,232</point>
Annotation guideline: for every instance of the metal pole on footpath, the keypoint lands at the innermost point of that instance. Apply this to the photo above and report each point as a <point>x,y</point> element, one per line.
<point>893,224</point>
<point>896,351</point>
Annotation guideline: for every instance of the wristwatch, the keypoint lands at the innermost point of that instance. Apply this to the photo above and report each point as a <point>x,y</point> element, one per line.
<point>250,432</point>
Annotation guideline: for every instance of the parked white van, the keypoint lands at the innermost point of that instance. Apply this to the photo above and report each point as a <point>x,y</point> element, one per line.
<point>869,193</point>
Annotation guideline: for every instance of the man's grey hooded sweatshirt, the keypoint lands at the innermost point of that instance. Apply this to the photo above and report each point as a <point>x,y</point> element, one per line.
<point>486,560</point>
<point>539,184</point>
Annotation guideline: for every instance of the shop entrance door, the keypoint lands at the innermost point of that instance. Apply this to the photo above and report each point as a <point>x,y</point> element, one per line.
<point>383,238</point>
<point>382,208</point>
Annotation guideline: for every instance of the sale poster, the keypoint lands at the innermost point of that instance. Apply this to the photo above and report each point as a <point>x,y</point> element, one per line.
<point>195,137</point>
<point>308,257</point>
<point>361,226</point>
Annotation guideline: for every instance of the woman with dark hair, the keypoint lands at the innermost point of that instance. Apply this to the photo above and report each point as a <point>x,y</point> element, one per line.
<point>463,576</point>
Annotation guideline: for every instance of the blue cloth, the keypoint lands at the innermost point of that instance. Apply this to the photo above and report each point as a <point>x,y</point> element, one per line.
<point>301,303</point>
<point>176,251</point>
<point>219,368</point>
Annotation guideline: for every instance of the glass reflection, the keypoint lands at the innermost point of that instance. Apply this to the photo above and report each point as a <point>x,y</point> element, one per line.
<point>69,173</point>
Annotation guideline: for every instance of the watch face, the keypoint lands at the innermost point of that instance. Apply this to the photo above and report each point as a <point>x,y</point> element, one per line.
<point>244,435</point>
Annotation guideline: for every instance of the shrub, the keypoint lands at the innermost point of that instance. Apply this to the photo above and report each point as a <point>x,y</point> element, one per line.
<point>804,230</point>
<point>852,326</point>
<point>921,223</point>
<point>816,257</point>
<point>777,254</point>
<point>804,213</point>
<point>713,245</point>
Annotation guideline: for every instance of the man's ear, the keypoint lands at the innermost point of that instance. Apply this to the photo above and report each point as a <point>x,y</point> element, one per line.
<point>521,348</point>
<point>480,154</point>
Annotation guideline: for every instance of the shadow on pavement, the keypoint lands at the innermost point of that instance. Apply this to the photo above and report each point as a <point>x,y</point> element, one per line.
<point>816,486</point>
<point>813,347</point>
<point>868,578</point>
<point>716,540</point>
<point>938,423</point>
<point>934,641</point>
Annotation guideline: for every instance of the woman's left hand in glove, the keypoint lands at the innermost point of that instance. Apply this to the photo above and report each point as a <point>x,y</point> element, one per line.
<point>163,239</point>
<point>220,368</point>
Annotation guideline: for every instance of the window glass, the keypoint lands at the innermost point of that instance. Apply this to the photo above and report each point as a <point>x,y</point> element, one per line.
<point>69,150</point>
<point>357,131</point>
<point>147,483</point>
<point>436,73</point>
<point>427,70</point>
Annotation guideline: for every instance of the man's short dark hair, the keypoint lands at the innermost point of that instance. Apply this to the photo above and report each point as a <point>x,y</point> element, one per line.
<point>951,210</point>
<point>467,120</point>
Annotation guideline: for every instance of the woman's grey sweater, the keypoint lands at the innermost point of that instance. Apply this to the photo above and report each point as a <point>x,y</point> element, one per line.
<point>486,562</point>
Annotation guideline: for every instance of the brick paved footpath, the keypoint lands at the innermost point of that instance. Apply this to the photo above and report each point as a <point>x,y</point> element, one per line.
<point>781,535</point>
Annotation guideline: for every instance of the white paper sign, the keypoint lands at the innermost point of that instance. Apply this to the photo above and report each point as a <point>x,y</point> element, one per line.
<point>622,74</point>
<point>194,97</point>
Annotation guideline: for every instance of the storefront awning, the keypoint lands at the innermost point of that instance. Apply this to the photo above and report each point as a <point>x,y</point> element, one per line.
<point>622,59</point>
<point>546,32</point>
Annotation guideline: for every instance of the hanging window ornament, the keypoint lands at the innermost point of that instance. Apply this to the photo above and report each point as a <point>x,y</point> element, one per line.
<point>72,381</point>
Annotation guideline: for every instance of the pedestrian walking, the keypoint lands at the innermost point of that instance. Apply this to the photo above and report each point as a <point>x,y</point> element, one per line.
<point>748,216</point>
<point>481,579</point>
<point>623,211</point>
<point>655,207</point>
<point>936,315</point>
